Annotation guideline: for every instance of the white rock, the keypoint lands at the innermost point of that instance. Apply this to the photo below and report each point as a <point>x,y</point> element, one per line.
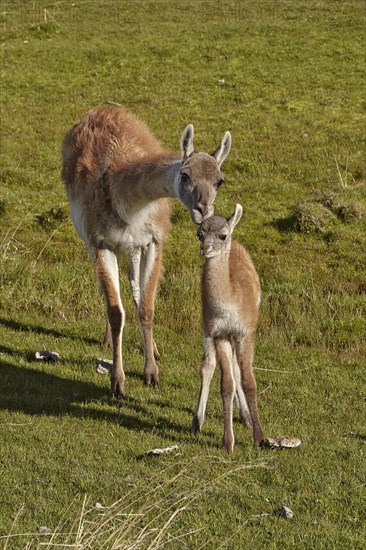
<point>101,370</point>
<point>104,366</point>
<point>285,512</point>
<point>51,356</point>
<point>166,450</point>
<point>43,530</point>
<point>282,442</point>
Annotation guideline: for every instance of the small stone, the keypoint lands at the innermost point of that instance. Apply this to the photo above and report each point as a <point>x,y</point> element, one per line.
<point>166,450</point>
<point>130,482</point>
<point>286,513</point>
<point>102,370</point>
<point>282,442</point>
<point>104,366</point>
<point>98,506</point>
<point>50,356</point>
<point>43,530</point>
<point>221,81</point>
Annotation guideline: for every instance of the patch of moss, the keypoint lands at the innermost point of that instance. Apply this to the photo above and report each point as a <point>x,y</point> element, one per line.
<point>312,217</point>
<point>52,217</point>
<point>350,212</point>
<point>346,210</point>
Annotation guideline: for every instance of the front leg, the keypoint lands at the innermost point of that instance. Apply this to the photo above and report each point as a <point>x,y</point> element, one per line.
<point>107,273</point>
<point>245,354</point>
<point>240,395</point>
<point>207,369</point>
<point>134,275</point>
<point>150,269</point>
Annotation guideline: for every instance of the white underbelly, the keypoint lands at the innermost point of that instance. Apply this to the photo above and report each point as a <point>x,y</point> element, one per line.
<point>77,217</point>
<point>120,238</point>
<point>225,322</point>
<point>126,239</point>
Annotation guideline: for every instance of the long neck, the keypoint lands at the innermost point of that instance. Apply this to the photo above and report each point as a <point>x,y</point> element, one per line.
<point>216,271</point>
<point>149,179</point>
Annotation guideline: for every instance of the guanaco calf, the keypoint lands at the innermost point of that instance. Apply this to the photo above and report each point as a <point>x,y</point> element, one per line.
<point>230,305</point>
<point>120,180</point>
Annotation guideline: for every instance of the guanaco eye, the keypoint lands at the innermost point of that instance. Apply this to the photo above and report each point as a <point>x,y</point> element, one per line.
<point>184,178</point>
<point>222,237</point>
<point>219,183</point>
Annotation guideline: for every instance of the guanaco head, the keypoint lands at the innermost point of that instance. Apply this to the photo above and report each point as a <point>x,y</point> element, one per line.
<point>215,233</point>
<point>200,176</point>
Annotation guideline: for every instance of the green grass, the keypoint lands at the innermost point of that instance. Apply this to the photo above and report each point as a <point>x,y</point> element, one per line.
<point>293,98</point>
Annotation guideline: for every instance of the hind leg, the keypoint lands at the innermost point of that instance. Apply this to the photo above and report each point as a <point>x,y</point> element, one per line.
<point>240,395</point>
<point>245,355</point>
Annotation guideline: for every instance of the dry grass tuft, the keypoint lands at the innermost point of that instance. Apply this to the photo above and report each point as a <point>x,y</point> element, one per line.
<point>145,517</point>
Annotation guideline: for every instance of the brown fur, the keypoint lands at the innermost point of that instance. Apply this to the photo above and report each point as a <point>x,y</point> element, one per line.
<point>107,138</point>
<point>230,309</point>
<point>241,291</point>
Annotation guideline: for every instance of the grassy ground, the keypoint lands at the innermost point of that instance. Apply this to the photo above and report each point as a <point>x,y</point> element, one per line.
<point>293,98</point>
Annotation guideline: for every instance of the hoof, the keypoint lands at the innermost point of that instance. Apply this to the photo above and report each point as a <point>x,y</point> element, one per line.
<point>196,426</point>
<point>117,390</point>
<point>151,380</point>
<point>258,439</point>
<point>228,444</point>
<point>107,340</point>
<point>229,448</point>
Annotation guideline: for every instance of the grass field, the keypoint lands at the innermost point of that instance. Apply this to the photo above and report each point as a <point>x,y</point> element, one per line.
<point>292,93</point>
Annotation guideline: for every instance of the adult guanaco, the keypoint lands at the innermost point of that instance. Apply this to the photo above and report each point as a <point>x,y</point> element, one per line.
<point>120,181</point>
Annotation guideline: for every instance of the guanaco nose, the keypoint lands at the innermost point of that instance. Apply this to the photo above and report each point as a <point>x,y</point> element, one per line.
<point>206,248</point>
<point>206,211</point>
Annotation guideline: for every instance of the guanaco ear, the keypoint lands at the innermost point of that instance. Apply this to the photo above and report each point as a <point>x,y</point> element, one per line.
<point>186,141</point>
<point>235,218</point>
<point>223,149</point>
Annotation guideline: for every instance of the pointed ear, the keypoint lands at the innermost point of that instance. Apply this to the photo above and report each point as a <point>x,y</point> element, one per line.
<point>186,142</point>
<point>235,218</point>
<point>223,150</point>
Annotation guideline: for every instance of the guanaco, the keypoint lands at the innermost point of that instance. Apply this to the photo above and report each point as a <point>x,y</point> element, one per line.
<point>120,181</point>
<point>230,307</point>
